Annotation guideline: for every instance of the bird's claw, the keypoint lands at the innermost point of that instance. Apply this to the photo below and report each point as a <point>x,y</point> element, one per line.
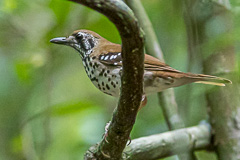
<point>105,135</point>
<point>129,141</point>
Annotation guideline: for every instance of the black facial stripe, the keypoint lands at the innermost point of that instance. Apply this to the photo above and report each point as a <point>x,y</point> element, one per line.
<point>83,44</point>
<point>86,44</point>
<point>91,43</point>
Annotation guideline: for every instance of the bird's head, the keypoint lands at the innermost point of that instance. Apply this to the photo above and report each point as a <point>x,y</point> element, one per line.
<point>82,40</point>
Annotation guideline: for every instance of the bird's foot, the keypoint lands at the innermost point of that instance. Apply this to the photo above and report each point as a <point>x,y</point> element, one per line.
<point>105,135</point>
<point>144,102</point>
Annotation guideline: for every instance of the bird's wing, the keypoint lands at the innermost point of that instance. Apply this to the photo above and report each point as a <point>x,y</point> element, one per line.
<point>109,54</point>
<point>158,68</point>
<point>113,57</point>
<point>153,64</point>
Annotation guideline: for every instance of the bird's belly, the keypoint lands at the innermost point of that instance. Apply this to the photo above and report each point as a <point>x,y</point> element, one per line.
<point>106,87</point>
<point>153,84</point>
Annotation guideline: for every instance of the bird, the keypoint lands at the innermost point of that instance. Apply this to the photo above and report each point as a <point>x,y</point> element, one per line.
<point>102,61</point>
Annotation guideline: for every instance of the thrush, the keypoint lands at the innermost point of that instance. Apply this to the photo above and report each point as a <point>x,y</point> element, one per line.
<point>102,61</point>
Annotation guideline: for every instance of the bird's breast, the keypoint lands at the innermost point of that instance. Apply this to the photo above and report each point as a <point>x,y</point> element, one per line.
<point>105,78</point>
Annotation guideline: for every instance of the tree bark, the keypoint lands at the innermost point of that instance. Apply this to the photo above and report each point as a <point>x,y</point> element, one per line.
<point>167,97</point>
<point>217,49</point>
<point>169,143</point>
<point>166,144</point>
<point>132,76</point>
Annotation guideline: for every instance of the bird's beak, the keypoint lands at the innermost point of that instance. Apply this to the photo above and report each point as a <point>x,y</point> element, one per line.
<point>62,40</point>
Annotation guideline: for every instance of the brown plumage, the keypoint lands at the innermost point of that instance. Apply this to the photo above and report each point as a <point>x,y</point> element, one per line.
<point>103,63</point>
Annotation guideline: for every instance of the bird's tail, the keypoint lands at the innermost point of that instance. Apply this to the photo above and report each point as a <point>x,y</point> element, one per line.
<point>207,79</point>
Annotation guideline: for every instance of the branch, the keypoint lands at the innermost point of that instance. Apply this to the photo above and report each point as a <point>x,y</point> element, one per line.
<point>219,54</point>
<point>151,41</point>
<point>132,75</point>
<point>167,144</point>
<point>167,97</point>
<point>225,101</point>
<point>194,59</point>
<point>223,3</point>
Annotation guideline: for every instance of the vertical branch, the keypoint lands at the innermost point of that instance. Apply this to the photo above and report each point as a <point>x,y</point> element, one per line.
<point>225,3</point>
<point>224,103</point>
<point>166,98</point>
<point>132,76</point>
<point>151,42</point>
<point>193,31</point>
<point>219,59</point>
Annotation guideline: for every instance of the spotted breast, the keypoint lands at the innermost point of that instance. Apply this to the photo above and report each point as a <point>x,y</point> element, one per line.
<point>105,78</point>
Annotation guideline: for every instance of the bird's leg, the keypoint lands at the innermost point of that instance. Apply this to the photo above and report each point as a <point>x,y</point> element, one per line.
<point>144,102</point>
<point>105,135</point>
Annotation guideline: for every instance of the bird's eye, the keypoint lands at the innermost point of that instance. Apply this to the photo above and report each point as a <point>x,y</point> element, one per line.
<point>79,36</point>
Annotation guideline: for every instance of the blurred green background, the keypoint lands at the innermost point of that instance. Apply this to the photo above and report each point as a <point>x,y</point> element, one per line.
<point>49,109</point>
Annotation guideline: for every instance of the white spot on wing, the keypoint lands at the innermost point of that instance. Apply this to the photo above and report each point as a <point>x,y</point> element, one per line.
<point>106,58</point>
<point>115,56</point>
<point>112,57</point>
<point>119,54</point>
